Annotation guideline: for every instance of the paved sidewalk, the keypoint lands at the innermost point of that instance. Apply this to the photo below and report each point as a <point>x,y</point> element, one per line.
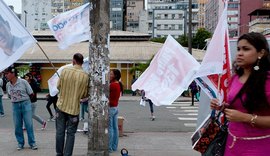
<point>138,144</point>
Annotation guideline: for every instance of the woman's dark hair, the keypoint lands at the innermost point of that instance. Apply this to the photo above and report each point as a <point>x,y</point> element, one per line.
<point>117,76</point>
<point>254,88</point>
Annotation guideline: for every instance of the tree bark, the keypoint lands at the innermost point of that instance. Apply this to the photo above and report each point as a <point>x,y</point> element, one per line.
<point>98,140</point>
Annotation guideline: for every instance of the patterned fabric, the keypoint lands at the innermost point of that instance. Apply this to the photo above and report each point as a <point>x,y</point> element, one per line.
<point>73,86</point>
<point>208,133</point>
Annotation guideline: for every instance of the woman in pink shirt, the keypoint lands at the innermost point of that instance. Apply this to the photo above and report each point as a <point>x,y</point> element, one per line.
<point>248,108</point>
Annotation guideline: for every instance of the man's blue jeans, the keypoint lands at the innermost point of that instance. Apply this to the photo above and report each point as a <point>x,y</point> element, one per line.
<point>65,122</point>
<point>22,112</point>
<point>113,128</point>
<point>1,106</point>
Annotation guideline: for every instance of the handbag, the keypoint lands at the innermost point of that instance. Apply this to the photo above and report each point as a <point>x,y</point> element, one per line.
<point>217,146</point>
<point>211,136</point>
<point>142,102</point>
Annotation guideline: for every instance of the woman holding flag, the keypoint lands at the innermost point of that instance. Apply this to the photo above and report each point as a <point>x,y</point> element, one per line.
<point>248,107</point>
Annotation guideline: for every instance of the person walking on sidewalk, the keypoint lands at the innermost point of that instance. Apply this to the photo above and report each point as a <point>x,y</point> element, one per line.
<point>20,91</point>
<point>73,86</point>
<point>194,90</point>
<point>51,100</point>
<point>150,105</point>
<point>116,88</point>
<point>29,78</point>
<point>2,113</point>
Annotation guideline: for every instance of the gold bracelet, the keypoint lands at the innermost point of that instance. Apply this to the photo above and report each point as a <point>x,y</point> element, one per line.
<point>252,120</point>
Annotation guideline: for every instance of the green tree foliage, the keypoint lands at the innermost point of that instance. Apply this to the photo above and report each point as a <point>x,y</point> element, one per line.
<point>159,40</point>
<point>141,67</point>
<point>183,40</point>
<point>198,40</point>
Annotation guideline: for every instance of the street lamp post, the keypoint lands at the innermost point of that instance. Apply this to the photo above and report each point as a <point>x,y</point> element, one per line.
<point>25,18</point>
<point>190,26</point>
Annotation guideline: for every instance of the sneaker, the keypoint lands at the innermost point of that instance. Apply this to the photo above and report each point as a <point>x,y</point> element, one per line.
<point>20,147</point>
<point>44,125</point>
<point>153,118</point>
<point>2,115</point>
<point>34,147</point>
<point>51,119</point>
<point>81,119</point>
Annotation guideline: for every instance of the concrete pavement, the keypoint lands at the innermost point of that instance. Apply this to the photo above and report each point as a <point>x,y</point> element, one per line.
<point>138,144</point>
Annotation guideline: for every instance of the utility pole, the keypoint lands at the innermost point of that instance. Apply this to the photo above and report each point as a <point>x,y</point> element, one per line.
<point>190,26</point>
<point>98,139</point>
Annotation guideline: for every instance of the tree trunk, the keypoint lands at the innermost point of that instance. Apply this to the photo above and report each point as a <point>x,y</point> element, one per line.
<point>98,140</point>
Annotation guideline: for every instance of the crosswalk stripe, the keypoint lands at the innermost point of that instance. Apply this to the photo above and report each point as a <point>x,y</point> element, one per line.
<point>182,118</point>
<point>190,107</point>
<point>190,124</point>
<point>170,107</point>
<point>194,111</point>
<point>191,114</point>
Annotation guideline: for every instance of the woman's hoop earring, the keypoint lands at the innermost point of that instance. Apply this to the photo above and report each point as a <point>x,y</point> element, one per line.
<point>257,67</point>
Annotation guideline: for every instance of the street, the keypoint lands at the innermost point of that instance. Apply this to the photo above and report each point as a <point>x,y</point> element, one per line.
<point>169,133</point>
<point>178,117</point>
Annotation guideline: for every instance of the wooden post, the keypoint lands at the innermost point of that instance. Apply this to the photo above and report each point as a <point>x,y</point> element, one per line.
<point>98,140</point>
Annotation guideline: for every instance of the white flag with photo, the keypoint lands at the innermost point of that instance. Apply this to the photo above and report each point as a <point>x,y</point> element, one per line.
<point>14,38</point>
<point>71,27</point>
<point>169,74</point>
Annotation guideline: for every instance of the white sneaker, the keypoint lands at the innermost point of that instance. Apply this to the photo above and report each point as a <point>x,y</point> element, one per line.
<point>153,118</point>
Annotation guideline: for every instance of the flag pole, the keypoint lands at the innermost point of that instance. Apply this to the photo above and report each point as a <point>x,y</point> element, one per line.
<point>47,58</point>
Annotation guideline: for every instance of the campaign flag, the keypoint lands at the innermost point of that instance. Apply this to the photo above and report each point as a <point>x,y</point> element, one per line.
<point>52,82</point>
<point>169,74</point>
<point>71,27</point>
<point>14,38</point>
<point>216,62</point>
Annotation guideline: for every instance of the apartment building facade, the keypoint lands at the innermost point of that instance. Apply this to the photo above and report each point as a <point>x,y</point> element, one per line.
<point>170,17</point>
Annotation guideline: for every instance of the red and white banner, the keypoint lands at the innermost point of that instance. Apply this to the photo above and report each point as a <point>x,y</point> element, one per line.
<point>14,38</point>
<point>217,60</point>
<point>71,27</point>
<point>169,74</point>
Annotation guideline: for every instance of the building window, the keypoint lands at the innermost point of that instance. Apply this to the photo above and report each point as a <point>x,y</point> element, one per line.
<point>166,16</point>
<point>165,26</point>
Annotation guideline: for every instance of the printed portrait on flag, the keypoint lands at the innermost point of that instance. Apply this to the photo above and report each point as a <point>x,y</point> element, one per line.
<point>14,38</point>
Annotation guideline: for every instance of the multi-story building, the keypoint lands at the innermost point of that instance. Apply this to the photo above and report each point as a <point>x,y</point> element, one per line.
<point>213,10</point>
<point>117,13</point>
<point>245,9</point>
<point>35,14</point>
<point>170,17</point>
<point>59,6</point>
<point>238,15</point>
<point>133,10</point>
<point>201,13</point>
<point>262,22</point>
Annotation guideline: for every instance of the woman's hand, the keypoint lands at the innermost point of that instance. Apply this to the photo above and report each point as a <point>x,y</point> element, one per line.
<point>214,104</point>
<point>237,116</point>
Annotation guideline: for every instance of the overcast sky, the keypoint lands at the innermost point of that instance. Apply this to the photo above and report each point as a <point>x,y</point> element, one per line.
<point>16,3</point>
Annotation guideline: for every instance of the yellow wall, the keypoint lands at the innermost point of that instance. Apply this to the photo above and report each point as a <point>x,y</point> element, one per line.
<point>47,71</point>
